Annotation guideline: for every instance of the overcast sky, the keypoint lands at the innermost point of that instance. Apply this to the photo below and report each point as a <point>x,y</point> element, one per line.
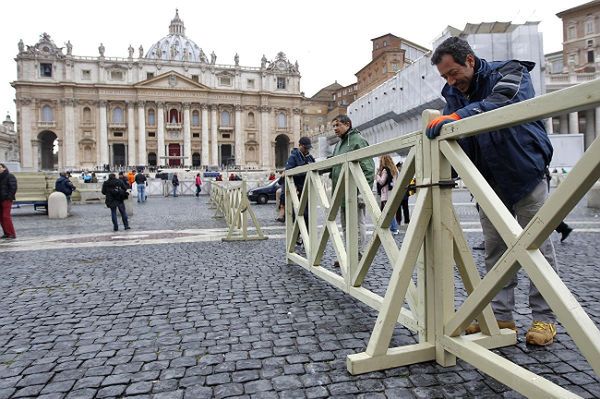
<point>329,39</point>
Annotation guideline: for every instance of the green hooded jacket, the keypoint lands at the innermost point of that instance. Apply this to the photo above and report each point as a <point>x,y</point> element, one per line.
<point>351,141</point>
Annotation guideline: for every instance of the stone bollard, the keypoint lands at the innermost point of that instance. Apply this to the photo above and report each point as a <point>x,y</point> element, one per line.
<point>57,206</point>
<point>129,204</point>
<point>594,196</point>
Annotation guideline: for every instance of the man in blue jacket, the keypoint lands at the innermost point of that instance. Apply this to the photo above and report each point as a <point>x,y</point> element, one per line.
<point>512,160</point>
<point>298,157</point>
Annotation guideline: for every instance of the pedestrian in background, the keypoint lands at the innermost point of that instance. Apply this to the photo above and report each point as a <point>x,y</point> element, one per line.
<point>386,179</point>
<point>351,140</point>
<point>64,185</point>
<point>198,184</point>
<point>115,191</point>
<point>403,208</point>
<point>141,182</point>
<point>175,182</point>
<point>8,190</point>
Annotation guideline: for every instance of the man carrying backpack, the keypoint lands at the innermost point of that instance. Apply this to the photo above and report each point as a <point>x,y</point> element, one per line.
<point>64,185</point>
<point>115,191</point>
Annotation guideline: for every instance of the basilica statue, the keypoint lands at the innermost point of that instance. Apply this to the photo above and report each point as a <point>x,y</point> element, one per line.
<point>141,51</point>
<point>69,47</point>
<point>213,58</point>
<point>263,62</point>
<point>236,59</point>
<point>158,51</point>
<point>131,50</point>
<point>21,46</point>
<point>203,57</point>
<point>101,50</point>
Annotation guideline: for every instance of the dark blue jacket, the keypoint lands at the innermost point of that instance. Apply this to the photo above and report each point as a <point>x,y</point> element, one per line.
<point>298,159</point>
<point>513,160</point>
<point>64,185</point>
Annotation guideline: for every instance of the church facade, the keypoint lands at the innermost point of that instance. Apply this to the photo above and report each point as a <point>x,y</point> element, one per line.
<point>173,105</point>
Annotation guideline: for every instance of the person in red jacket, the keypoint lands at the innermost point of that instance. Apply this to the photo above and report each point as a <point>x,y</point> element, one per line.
<point>198,184</point>
<point>8,189</point>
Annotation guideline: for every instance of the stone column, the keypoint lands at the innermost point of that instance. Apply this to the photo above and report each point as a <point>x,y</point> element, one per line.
<point>26,122</point>
<point>239,140</point>
<point>131,153</point>
<point>573,122</point>
<point>214,147</point>
<point>564,124</point>
<point>142,158</point>
<point>548,125</point>
<point>265,142</point>
<point>187,135</point>
<point>34,149</point>
<point>160,133</point>
<point>297,114</point>
<point>69,139</point>
<point>205,144</point>
<point>103,141</point>
<point>61,155</point>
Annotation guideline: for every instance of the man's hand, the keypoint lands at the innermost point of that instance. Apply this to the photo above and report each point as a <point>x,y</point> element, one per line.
<point>434,127</point>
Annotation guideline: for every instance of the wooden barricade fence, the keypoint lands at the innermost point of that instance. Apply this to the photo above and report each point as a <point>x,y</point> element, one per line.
<point>434,244</point>
<point>231,203</point>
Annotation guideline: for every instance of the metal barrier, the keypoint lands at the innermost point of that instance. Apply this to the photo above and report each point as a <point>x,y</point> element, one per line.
<point>231,203</point>
<point>434,244</point>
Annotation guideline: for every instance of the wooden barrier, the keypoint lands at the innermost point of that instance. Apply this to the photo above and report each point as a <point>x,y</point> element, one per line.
<point>231,203</point>
<point>434,245</point>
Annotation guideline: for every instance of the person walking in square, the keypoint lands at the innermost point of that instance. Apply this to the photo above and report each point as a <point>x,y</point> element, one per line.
<point>8,190</point>
<point>175,182</point>
<point>198,184</point>
<point>513,161</point>
<point>115,191</point>
<point>141,182</point>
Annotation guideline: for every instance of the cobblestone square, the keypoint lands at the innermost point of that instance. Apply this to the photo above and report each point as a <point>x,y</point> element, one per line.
<point>167,310</point>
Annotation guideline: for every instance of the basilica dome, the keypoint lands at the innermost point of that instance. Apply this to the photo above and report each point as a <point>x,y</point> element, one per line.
<point>176,46</point>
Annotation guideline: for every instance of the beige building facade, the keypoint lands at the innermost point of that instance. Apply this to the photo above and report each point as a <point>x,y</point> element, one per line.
<point>172,105</point>
<point>9,146</point>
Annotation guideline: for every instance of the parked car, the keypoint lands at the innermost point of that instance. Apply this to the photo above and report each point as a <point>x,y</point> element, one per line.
<point>263,194</point>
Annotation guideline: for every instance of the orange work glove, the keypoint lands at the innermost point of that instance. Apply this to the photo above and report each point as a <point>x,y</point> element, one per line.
<point>434,127</point>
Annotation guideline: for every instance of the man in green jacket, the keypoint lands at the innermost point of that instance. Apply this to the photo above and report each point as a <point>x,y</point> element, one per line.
<point>351,140</point>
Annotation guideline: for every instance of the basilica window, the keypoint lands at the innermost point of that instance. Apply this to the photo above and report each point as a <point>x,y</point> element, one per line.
<point>87,115</point>
<point>117,115</point>
<point>281,83</point>
<point>251,122</point>
<point>195,118</point>
<point>225,81</point>
<point>116,75</point>
<point>251,83</point>
<point>149,75</point>
<point>572,31</point>
<point>151,117</point>
<point>47,114</point>
<point>173,116</point>
<point>225,119</point>
<point>46,70</point>
<point>195,78</point>
<point>86,74</point>
<point>281,120</point>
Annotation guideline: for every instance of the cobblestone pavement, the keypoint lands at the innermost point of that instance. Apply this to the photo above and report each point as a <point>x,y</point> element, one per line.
<point>166,310</point>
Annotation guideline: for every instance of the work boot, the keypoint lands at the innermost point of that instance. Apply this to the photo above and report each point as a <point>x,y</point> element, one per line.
<point>474,328</point>
<point>565,233</point>
<point>540,333</point>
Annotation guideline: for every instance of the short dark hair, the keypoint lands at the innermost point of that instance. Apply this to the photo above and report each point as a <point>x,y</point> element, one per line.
<point>343,119</point>
<point>458,48</point>
<point>112,176</point>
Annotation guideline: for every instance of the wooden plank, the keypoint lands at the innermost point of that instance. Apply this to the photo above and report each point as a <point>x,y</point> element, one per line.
<point>361,363</point>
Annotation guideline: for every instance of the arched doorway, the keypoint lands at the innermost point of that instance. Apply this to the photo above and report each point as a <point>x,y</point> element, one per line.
<point>174,151</point>
<point>282,150</point>
<point>196,160</point>
<point>48,150</point>
<point>152,159</point>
